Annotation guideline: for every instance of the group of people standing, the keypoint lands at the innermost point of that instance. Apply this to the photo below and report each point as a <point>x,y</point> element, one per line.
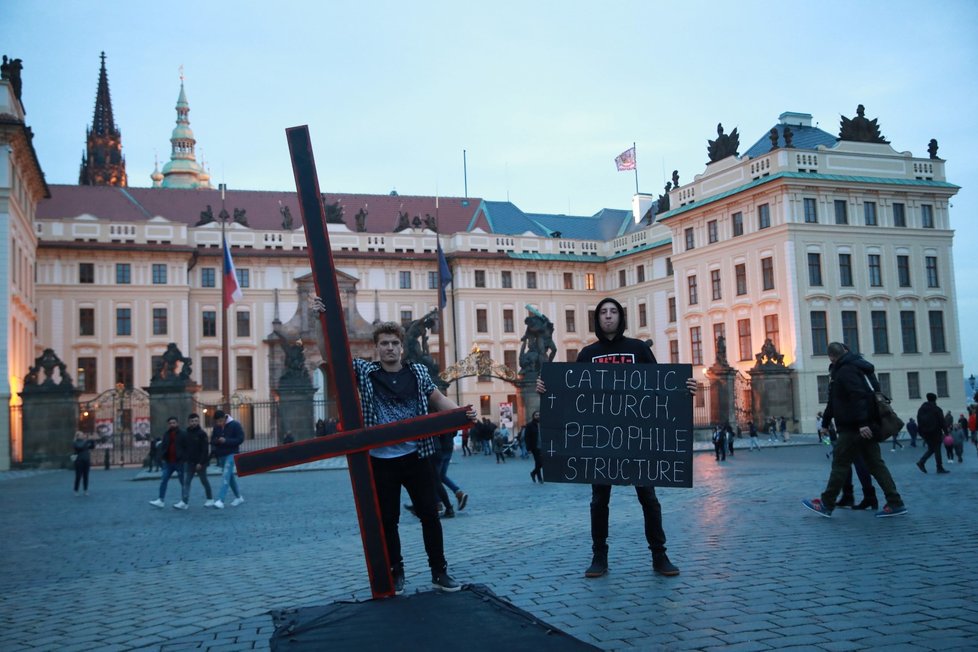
<point>187,452</point>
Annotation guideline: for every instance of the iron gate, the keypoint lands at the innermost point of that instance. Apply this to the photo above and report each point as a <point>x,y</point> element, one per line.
<point>118,420</point>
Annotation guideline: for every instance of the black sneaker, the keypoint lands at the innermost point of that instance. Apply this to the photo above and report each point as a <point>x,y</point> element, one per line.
<point>662,566</point>
<point>442,581</point>
<point>398,583</point>
<point>943,471</point>
<point>448,513</point>
<point>920,465</point>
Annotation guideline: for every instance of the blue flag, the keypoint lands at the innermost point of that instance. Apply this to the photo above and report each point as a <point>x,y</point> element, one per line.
<point>444,277</point>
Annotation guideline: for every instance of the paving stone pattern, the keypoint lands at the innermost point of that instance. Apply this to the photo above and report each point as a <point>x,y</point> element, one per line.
<point>759,572</point>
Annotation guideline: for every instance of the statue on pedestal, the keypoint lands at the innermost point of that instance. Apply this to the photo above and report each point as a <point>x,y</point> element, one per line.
<point>537,344</point>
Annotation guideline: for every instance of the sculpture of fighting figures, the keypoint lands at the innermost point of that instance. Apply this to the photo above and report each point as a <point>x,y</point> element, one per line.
<point>722,352</point>
<point>295,372</point>
<point>725,145</point>
<point>416,343</point>
<point>47,362</point>
<point>403,222</point>
<point>165,370</point>
<point>769,356</point>
<point>537,344</point>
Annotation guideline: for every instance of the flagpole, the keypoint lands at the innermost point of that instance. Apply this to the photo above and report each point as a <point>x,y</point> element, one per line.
<point>225,347</point>
<point>636,166</point>
<point>441,321</point>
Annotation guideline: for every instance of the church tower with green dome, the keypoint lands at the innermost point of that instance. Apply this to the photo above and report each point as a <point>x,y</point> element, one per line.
<point>182,170</point>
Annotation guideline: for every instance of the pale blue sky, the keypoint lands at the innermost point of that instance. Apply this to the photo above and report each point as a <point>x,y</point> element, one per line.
<point>542,95</point>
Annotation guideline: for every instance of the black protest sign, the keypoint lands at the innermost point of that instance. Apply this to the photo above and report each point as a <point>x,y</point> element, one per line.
<point>624,424</point>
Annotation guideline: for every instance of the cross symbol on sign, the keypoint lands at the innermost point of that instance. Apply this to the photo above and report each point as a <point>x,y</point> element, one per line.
<point>354,441</point>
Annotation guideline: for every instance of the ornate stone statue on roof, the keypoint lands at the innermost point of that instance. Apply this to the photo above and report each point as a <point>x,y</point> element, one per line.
<point>860,128</point>
<point>361,220</point>
<point>240,217</point>
<point>537,344</point>
<point>932,148</point>
<point>675,178</point>
<point>10,70</point>
<point>416,222</point>
<point>788,134</point>
<point>430,223</point>
<point>662,205</point>
<point>334,213</point>
<point>774,136</point>
<point>206,216</point>
<point>403,221</point>
<point>286,217</point>
<point>725,145</point>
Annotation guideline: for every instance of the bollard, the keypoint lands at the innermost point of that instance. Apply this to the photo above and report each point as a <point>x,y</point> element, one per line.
<point>106,459</point>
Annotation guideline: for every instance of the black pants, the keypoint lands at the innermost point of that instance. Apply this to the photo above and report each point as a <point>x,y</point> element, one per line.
<point>189,471</point>
<point>865,480</point>
<point>441,495</point>
<point>537,464</point>
<point>933,448</point>
<point>651,509</point>
<point>81,473</point>
<point>414,474</point>
<point>721,449</point>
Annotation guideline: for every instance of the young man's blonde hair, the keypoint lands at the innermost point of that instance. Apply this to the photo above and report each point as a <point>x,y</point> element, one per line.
<point>389,328</point>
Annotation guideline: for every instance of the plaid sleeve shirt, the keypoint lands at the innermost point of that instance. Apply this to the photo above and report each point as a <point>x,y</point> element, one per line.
<point>363,369</point>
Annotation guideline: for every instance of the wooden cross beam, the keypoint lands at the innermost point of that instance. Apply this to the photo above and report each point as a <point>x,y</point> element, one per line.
<point>354,441</point>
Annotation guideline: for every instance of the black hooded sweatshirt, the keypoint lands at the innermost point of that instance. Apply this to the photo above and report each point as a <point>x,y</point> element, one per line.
<point>616,349</point>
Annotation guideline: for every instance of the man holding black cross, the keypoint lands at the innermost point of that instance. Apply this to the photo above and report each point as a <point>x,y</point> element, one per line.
<point>392,391</point>
<point>613,347</point>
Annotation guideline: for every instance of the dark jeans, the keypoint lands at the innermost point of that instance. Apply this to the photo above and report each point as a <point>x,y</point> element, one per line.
<point>414,474</point>
<point>721,449</point>
<point>168,470</point>
<point>865,480</point>
<point>189,471</point>
<point>651,509</point>
<point>446,459</point>
<point>81,473</point>
<point>537,464</point>
<point>849,446</point>
<point>933,448</point>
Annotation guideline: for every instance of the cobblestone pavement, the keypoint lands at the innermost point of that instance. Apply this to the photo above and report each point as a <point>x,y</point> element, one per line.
<point>759,572</point>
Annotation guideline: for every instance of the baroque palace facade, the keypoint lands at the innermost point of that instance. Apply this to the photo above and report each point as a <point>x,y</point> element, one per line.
<point>803,239</point>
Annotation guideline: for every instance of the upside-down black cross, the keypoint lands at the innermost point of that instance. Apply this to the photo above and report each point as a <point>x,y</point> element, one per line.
<point>354,440</point>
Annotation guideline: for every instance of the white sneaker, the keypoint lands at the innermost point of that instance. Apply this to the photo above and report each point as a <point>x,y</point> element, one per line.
<point>156,503</point>
<point>180,505</point>
<point>209,502</point>
<point>218,504</point>
<point>237,501</point>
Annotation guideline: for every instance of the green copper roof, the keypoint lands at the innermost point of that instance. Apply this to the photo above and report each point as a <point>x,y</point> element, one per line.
<point>840,178</point>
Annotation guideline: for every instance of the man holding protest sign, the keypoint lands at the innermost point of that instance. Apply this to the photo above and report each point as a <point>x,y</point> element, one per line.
<point>612,347</point>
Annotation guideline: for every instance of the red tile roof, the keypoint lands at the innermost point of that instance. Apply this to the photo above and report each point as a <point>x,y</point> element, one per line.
<point>262,208</point>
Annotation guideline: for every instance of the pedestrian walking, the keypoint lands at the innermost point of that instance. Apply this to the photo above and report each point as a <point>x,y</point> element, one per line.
<point>720,443</point>
<point>930,423</point>
<point>533,445</point>
<point>852,405</point>
<point>752,431</point>
<point>499,439</point>
<point>196,457</point>
<point>729,433</point>
<point>447,450</point>
<point>783,427</point>
<point>912,431</point>
<point>226,440</point>
<point>170,459</point>
<point>82,460</point>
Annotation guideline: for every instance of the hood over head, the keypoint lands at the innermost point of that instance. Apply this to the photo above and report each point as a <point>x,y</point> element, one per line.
<point>597,320</point>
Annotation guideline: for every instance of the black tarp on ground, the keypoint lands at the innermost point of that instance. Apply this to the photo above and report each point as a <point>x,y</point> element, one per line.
<point>474,619</point>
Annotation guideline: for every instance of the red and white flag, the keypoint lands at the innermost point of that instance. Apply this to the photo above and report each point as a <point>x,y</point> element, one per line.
<point>232,291</point>
<point>626,160</point>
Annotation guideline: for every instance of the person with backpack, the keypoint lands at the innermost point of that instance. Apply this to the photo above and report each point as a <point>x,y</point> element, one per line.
<point>930,425</point>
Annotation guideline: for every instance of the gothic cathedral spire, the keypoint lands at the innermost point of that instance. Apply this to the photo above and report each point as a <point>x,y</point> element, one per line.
<point>103,163</point>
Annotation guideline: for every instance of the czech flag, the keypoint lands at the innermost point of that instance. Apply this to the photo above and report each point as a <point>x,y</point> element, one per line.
<point>232,291</point>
